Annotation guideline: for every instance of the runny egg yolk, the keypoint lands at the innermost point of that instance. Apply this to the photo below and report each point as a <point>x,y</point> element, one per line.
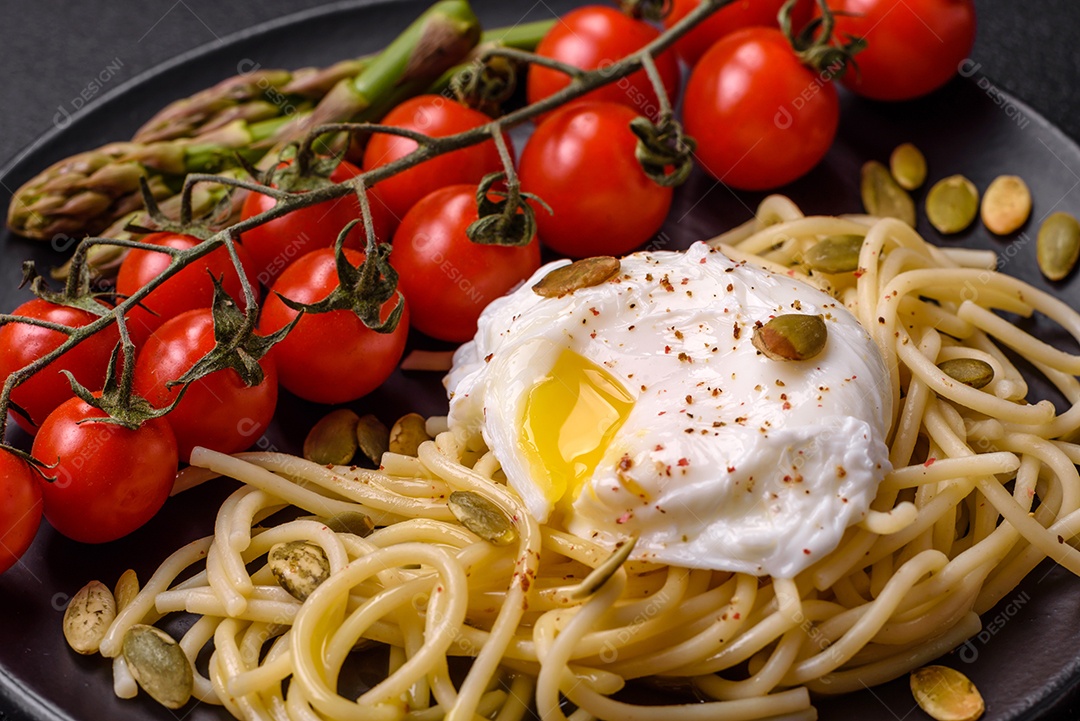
<point>571,415</point>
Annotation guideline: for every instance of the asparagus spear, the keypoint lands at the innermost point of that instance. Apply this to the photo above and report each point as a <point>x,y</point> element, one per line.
<point>89,191</point>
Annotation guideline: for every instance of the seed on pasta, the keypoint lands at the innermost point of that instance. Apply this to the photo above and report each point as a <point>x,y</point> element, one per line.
<point>882,197</point>
<point>791,337</point>
<point>88,616</point>
<point>127,588</point>
<point>299,567</point>
<point>835,254</point>
<point>332,441</point>
<point>969,371</point>
<point>352,522</point>
<point>946,694</point>
<point>158,665</point>
<point>482,517</point>
<point>407,434</point>
<point>603,573</point>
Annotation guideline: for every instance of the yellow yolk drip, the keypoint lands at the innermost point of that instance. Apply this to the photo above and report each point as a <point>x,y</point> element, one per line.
<point>571,416</point>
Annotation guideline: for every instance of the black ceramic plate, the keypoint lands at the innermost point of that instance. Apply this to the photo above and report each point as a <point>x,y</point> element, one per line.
<point>1026,662</point>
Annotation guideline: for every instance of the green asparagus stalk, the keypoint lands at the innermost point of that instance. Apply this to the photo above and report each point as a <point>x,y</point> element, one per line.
<point>252,96</point>
<point>89,191</point>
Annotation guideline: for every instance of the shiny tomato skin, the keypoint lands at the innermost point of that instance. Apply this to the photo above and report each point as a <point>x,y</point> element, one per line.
<point>20,508</point>
<point>109,480</point>
<point>273,246</point>
<point>190,288</point>
<point>447,278</point>
<point>913,47</point>
<point>328,357</point>
<point>761,119</point>
<point>217,411</point>
<point>580,161</point>
<point>736,16</point>
<point>436,116</point>
<point>22,344</point>
<point>594,37</point>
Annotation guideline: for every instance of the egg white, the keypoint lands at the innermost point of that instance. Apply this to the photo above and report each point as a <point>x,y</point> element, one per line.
<point>728,460</point>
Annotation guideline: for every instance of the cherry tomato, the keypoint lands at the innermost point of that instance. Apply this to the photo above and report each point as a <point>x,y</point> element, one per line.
<point>736,16</point>
<point>438,117</point>
<point>109,480</point>
<point>328,357</point>
<point>594,37</point>
<point>446,277</point>
<point>760,117</point>
<point>20,508</point>
<point>217,411</point>
<point>913,46</point>
<point>22,344</point>
<point>190,288</point>
<point>276,244</point>
<point>580,161</point>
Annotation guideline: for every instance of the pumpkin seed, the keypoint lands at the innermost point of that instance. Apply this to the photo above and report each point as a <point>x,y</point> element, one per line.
<point>482,517</point>
<point>583,273</point>
<point>88,616</point>
<point>1006,204</point>
<point>792,337</point>
<point>969,371</point>
<point>407,434</point>
<point>908,166</point>
<point>1058,245</point>
<point>883,197</point>
<point>299,567</point>
<point>603,573</point>
<point>332,441</point>
<point>835,254</point>
<point>952,203</point>
<point>352,522</point>
<point>946,694</point>
<point>127,588</point>
<point>158,665</point>
<point>373,437</point>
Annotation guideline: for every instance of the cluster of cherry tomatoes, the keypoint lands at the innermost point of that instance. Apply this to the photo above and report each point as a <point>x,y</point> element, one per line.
<point>760,117</point>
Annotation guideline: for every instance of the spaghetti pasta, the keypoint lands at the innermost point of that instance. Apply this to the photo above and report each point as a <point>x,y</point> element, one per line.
<point>983,487</point>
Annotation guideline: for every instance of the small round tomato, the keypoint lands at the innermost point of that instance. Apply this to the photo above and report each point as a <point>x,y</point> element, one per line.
<point>593,37</point>
<point>20,508</point>
<point>760,117</point>
<point>580,161</point>
<point>437,117</point>
<point>192,287</point>
<point>218,411</point>
<point>22,344</point>
<point>276,244</point>
<point>328,357</point>
<point>913,47</point>
<point>736,16</point>
<point>109,480</point>
<point>447,278</point>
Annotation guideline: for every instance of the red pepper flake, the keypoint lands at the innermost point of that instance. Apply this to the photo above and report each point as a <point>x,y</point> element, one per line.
<point>731,469</point>
<point>736,330</point>
<point>488,357</point>
<point>736,616</point>
<point>624,517</point>
<point>667,349</point>
<point>806,551</point>
<point>594,311</point>
<point>786,406</point>
<point>659,447</point>
<point>730,287</point>
<point>626,463</point>
<point>592,335</point>
<point>859,273</point>
<point>684,461</point>
<point>929,462</point>
<point>701,261</point>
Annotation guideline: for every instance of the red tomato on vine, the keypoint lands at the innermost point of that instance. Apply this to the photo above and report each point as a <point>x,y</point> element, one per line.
<point>20,508</point>
<point>760,117</point>
<point>594,37</point>
<point>447,278</point>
